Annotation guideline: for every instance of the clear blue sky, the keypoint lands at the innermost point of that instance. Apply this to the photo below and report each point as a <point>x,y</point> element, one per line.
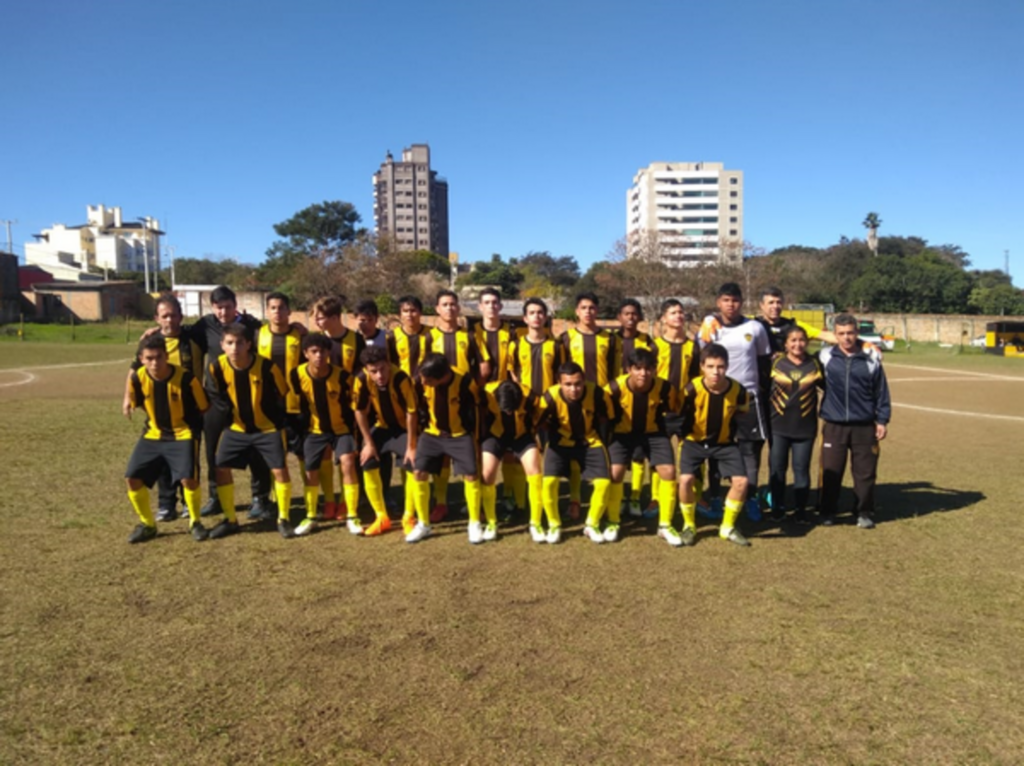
<point>221,119</point>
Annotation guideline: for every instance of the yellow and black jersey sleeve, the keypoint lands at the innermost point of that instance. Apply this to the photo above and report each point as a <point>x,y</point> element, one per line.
<point>496,344</point>
<point>678,363</point>
<point>172,406</point>
<point>284,350</point>
<point>576,423</point>
<point>624,347</point>
<point>595,353</point>
<point>460,348</point>
<point>407,351</point>
<point>256,394</point>
<point>535,365</point>
<point>325,402</point>
<point>637,412</point>
<point>451,408</point>
<point>509,424</point>
<point>345,350</point>
<point>708,416</point>
<point>389,405</point>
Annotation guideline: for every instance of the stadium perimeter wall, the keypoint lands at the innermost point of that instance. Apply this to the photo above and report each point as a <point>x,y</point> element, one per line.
<point>934,328</point>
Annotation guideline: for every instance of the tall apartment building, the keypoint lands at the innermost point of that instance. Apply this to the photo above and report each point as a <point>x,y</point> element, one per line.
<point>410,202</point>
<point>686,213</point>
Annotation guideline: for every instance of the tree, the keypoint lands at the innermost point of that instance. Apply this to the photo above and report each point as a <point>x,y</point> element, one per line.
<point>561,272</point>
<point>314,230</point>
<point>871,223</point>
<point>999,299</point>
<point>507,277</point>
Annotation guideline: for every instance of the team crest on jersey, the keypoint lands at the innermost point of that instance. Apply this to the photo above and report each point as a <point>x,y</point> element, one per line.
<point>748,337</point>
<point>796,375</point>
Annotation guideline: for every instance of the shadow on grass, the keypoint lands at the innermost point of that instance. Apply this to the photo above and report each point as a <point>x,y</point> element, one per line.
<point>920,498</point>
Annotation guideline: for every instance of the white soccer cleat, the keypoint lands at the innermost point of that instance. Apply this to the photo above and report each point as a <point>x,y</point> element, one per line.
<point>554,536</point>
<point>355,526</point>
<point>611,533</point>
<point>476,532</point>
<point>537,534</point>
<point>670,536</point>
<point>593,534</point>
<point>306,527</point>
<point>419,532</point>
<point>490,533</point>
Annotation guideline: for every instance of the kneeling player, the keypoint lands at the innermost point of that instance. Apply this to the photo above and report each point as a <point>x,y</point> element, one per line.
<point>710,405</point>
<point>390,394</point>
<point>324,395</point>
<point>173,400</point>
<point>574,409</point>
<point>510,412</point>
<point>450,401</point>
<point>639,404</point>
<point>255,389</point>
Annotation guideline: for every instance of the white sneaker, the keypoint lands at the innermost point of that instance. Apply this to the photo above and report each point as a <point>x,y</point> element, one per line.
<point>611,533</point>
<point>419,532</point>
<point>554,536</point>
<point>669,535</point>
<point>306,527</point>
<point>635,510</point>
<point>593,534</point>
<point>537,534</point>
<point>490,533</point>
<point>355,526</point>
<point>476,532</point>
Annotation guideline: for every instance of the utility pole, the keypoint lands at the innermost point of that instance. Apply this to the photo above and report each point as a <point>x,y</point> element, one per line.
<point>1006,255</point>
<point>8,223</point>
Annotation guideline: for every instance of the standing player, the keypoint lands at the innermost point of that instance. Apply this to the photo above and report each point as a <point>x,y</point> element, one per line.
<point>450,401</point>
<point>535,356</point>
<point>173,400</point>
<point>772,320</point>
<point>712,404</point>
<point>367,322</point>
<point>408,342</point>
<point>574,410</point>
<point>253,391</point>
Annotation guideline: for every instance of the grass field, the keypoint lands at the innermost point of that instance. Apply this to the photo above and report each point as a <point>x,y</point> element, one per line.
<point>900,645</point>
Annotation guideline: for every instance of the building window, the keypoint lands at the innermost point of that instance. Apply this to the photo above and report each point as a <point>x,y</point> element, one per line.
<point>734,181</point>
<point>732,219</point>
<point>732,232</point>
<point>732,207</point>
<point>733,194</point>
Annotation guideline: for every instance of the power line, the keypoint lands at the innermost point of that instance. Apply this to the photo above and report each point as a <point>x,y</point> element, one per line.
<point>8,223</point>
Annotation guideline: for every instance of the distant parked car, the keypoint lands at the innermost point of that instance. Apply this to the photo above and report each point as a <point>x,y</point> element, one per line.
<point>978,342</point>
<point>867,331</point>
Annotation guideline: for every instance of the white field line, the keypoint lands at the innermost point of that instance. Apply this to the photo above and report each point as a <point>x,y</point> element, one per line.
<point>28,377</point>
<point>958,412</point>
<point>942,380</point>
<point>1018,378</point>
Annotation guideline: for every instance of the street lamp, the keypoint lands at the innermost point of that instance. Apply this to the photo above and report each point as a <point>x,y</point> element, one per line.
<point>145,249</point>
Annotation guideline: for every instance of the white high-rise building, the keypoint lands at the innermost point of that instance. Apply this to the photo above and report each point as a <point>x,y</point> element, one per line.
<point>686,213</point>
<point>410,202</point>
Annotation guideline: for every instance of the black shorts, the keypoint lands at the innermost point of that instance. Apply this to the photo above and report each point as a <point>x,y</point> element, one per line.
<point>386,440</point>
<point>593,460</point>
<point>432,450</point>
<point>752,425</point>
<point>317,444</point>
<point>726,456</point>
<point>235,449</point>
<point>295,429</point>
<point>150,455</point>
<point>498,447</point>
<point>635,448</point>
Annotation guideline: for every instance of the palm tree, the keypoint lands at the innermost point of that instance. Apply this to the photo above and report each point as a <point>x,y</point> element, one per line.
<point>871,223</point>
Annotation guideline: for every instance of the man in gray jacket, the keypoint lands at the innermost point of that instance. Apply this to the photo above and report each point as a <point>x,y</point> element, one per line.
<point>855,414</point>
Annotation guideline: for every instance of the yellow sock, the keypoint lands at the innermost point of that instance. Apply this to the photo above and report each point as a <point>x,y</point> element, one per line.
<point>731,513</point>
<point>519,485</point>
<point>508,472</point>
<point>536,484</point>
<point>410,496</point>
<point>283,493</point>
<point>598,502</point>
<point>656,486</point>
<point>689,515</point>
<point>193,501</point>
<point>140,502</point>
<point>441,486</point>
<point>375,491</point>
<point>615,494</point>
<point>327,481</point>
<point>226,496</point>
<point>311,492</point>
<point>421,499</point>
<point>489,501</point>
<point>575,482</point>
<point>352,499</point>
<point>550,500</point>
<point>636,482</point>
<point>472,498</point>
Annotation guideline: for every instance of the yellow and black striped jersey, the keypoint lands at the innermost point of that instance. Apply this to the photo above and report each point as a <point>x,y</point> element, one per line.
<point>639,412</point>
<point>594,352</point>
<point>511,425</point>
<point>625,346</point>
<point>390,404</point>
<point>535,365</point>
<point>678,363</point>
<point>284,350</point>
<point>708,416</point>
<point>576,423</point>
<point>407,351</point>
<point>450,408</point>
<point>256,394</point>
<point>345,350</point>
<point>325,401</point>
<point>172,405</point>
<point>794,397</point>
<point>460,348</point>
<point>496,343</point>
<point>182,352</point>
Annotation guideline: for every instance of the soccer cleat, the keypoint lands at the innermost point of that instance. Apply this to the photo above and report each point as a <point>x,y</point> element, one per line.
<point>652,511</point>
<point>408,523</point>
<point>490,532</point>
<point>211,507</point>
<point>554,536</point>
<point>593,534</point>
<point>712,510</point>
<point>802,517</point>
<point>537,534</point>
<point>224,529</point>
<point>753,509</point>
<point>828,520</point>
<point>688,536</point>
<point>419,532</point>
<point>306,527</point>
<point>198,532</point>
<point>330,511</point>
<point>438,513</point>
<point>611,533</point>
<point>778,516</point>
<point>141,534</point>
<point>574,509</point>
<point>670,536</point>
<point>865,522</point>
<point>285,529</point>
<point>476,532</point>
<point>379,527</point>
<point>167,514</point>
<point>259,508</point>
<point>733,536</point>
<point>355,526</point>
<point>635,510</point>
